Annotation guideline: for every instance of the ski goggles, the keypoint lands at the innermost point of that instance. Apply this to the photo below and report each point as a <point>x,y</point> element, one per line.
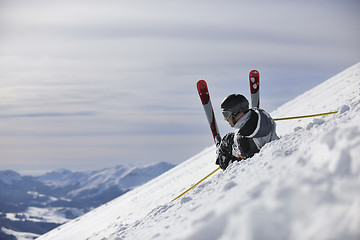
<point>226,114</point>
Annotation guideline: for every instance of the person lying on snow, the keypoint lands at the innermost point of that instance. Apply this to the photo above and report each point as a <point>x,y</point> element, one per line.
<point>254,128</point>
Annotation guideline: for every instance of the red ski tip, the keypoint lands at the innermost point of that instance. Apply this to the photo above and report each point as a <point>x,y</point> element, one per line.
<point>202,86</point>
<point>254,81</point>
<point>203,91</point>
<point>254,72</point>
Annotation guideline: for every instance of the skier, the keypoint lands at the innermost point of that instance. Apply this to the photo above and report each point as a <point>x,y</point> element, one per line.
<point>254,128</point>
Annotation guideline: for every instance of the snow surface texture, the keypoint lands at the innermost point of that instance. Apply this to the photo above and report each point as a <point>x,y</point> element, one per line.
<point>304,186</point>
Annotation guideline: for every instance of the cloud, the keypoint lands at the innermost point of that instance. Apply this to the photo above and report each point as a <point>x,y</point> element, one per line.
<point>48,114</point>
<point>116,79</point>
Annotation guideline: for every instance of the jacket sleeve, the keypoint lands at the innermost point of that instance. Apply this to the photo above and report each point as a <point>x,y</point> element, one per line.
<point>245,147</point>
<point>258,125</point>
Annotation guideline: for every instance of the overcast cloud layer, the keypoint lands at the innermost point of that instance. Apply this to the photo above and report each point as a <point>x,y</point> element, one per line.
<point>92,84</point>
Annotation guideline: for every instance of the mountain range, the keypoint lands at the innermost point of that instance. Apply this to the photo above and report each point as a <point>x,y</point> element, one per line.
<point>37,204</point>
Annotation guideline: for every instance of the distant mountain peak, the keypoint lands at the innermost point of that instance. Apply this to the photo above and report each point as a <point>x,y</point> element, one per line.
<point>9,176</point>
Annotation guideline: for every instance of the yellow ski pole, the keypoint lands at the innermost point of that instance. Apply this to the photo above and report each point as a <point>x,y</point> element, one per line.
<point>196,184</point>
<point>304,116</point>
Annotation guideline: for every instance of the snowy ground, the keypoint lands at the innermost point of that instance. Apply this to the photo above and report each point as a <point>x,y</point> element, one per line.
<point>20,235</point>
<point>304,186</point>
<point>49,214</point>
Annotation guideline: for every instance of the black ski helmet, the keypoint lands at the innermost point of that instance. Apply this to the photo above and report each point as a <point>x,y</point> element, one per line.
<point>233,105</point>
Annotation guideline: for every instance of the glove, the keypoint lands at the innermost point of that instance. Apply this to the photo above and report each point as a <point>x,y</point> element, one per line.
<point>224,152</point>
<point>223,159</point>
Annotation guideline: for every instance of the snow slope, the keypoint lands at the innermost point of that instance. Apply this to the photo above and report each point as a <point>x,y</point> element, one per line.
<point>304,186</point>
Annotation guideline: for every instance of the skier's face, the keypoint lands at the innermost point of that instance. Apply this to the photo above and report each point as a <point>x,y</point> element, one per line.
<point>230,121</point>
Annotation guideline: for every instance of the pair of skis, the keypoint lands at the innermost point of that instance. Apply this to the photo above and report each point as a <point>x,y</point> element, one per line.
<point>254,80</point>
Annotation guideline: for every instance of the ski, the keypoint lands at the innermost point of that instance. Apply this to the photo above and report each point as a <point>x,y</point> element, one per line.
<point>209,111</point>
<point>254,79</point>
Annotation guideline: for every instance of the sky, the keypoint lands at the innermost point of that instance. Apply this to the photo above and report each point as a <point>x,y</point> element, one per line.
<point>86,85</point>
